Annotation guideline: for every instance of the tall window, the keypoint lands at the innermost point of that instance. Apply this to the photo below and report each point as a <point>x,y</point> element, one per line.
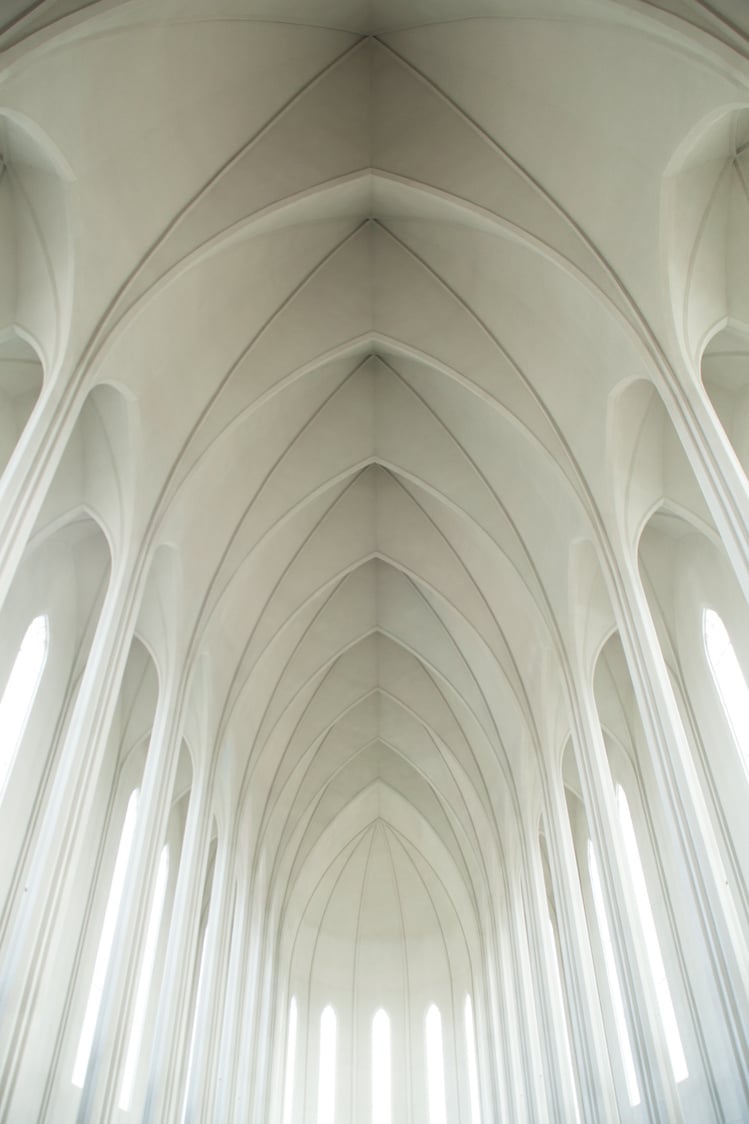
<point>288,1085</point>
<point>473,1069</point>
<point>617,1002</point>
<point>435,1067</point>
<point>729,679</point>
<point>652,944</point>
<point>105,942</point>
<point>381,1080</point>
<point>19,693</point>
<point>326,1082</point>
<point>144,983</point>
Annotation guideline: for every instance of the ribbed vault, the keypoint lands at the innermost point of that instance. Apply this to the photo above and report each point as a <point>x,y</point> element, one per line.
<point>365,336</point>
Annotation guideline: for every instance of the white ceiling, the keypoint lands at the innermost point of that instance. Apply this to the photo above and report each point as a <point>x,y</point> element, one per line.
<point>367,280</point>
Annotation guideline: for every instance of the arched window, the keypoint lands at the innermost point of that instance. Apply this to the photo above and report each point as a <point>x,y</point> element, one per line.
<point>652,944</point>
<point>381,1080</point>
<point>473,1069</point>
<point>326,1082</point>
<point>105,942</point>
<point>617,1002</point>
<point>288,1086</point>
<point>729,680</point>
<point>144,983</point>
<point>435,1067</point>
<point>19,694</point>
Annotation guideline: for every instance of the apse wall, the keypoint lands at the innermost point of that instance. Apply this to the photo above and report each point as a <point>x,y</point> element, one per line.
<point>380,933</point>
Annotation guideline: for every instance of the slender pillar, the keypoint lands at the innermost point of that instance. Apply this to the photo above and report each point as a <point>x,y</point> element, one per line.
<point>492,1046</point>
<point>520,1109</point>
<point>62,833</point>
<point>596,1085</point>
<point>657,1089</point>
<point>254,968</point>
<point>541,952</point>
<point>28,474</point>
<point>718,472</point>
<point>538,1076</point>
<point>209,990</point>
<point>171,1040</point>
<point>685,807</point>
<point>101,1089</point>
<point>264,1022</point>
<point>231,1024</point>
<point>220,993</point>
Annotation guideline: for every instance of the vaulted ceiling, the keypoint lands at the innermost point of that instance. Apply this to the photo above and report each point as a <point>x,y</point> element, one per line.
<point>352,291</point>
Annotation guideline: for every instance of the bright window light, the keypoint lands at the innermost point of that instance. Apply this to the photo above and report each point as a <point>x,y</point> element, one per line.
<point>729,679</point>
<point>144,983</point>
<point>18,696</point>
<point>288,1087</point>
<point>473,1069</point>
<point>622,1033</point>
<point>381,1080</point>
<point>652,944</point>
<point>105,942</point>
<point>435,1067</point>
<point>326,1084</point>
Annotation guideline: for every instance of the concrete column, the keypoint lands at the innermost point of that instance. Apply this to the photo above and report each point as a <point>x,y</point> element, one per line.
<point>171,1040</point>
<point>538,1079</point>
<point>659,1097</point>
<point>511,1025</point>
<point>254,967</point>
<point>492,1051</point>
<point>208,999</point>
<point>596,1084</point>
<point>28,474</point>
<point>264,1022</point>
<point>561,1089</point>
<point>230,1030</point>
<point>101,1090</point>
<point>56,853</point>
<point>238,1091</point>
<point>683,802</point>
<point>718,472</point>
<point>277,1100</point>
<point>220,993</point>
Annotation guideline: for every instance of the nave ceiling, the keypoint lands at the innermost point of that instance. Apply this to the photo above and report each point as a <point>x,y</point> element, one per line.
<point>370,307</point>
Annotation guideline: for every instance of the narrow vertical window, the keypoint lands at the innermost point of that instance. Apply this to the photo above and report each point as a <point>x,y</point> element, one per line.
<point>381,1080</point>
<point>326,1082</point>
<point>19,693</point>
<point>144,982</point>
<point>473,1069</point>
<point>617,1002</point>
<point>729,680</point>
<point>435,1067</point>
<point>288,1085</point>
<point>652,944</point>
<point>105,943</point>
